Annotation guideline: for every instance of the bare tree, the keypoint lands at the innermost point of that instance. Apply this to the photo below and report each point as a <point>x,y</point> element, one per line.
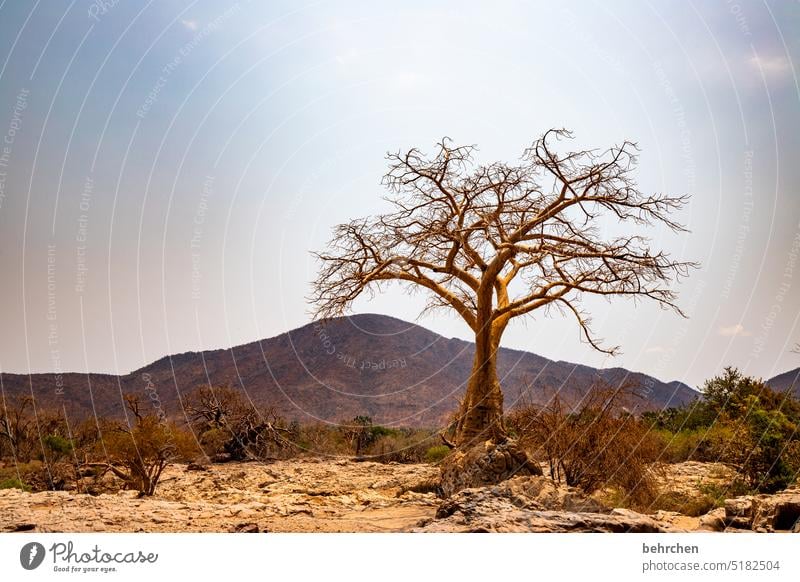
<point>243,431</point>
<point>18,426</point>
<point>495,242</point>
<point>216,408</point>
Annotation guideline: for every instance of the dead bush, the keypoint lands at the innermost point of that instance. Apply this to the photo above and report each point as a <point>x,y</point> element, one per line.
<point>18,431</point>
<point>592,445</point>
<point>230,428</point>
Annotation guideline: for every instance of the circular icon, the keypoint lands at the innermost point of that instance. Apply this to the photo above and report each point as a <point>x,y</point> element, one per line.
<point>31,555</point>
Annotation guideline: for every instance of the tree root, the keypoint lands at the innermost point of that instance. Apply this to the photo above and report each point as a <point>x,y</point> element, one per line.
<point>485,463</point>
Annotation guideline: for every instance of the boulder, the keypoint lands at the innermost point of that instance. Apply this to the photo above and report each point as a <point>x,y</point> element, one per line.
<point>765,513</point>
<point>714,520</point>
<point>739,512</point>
<point>778,512</point>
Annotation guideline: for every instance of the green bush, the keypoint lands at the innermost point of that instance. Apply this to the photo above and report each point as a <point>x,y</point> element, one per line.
<point>741,422</point>
<point>675,447</point>
<point>377,431</point>
<point>400,446</point>
<point>691,505</point>
<point>720,492</point>
<point>57,444</point>
<point>436,453</point>
<point>14,484</point>
<point>213,440</point>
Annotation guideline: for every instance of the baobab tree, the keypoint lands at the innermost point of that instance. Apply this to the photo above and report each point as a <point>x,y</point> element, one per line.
<point>498,242</point>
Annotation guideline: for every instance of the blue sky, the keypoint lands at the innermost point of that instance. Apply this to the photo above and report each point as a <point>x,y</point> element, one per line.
<point>173,163</point>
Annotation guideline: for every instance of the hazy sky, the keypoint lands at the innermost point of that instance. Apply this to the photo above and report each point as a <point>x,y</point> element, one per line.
<point>167,167</point>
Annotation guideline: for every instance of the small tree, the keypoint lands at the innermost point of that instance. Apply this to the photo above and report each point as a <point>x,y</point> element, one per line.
<point>139,452</point>
<point>262,434</point>
<point>497,242</point>
<point>359,433</point>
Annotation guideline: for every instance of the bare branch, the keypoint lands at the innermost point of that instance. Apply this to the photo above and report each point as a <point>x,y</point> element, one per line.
<point>499,241</point>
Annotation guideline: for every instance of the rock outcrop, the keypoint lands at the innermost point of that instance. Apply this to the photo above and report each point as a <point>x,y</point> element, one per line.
<point>303,495</point>
<point>533,504</point>
<point>764,513</point>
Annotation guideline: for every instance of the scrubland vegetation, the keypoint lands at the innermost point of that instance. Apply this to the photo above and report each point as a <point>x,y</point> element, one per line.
<point>740,422</point>
<point>593,445</point>
<point>41,450</point>
<point>596,445</point>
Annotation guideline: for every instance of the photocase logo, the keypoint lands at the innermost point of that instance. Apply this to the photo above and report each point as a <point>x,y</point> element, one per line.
<point>31,555</point>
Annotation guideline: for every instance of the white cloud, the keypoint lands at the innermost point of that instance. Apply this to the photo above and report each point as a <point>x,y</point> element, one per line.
<point>771,66</point>
<point>190,24</point>
<point>737,330</point>
<point>655,350</point>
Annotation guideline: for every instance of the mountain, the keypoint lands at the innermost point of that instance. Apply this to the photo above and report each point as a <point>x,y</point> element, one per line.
<point>396,372</point>
<point>787,381</point>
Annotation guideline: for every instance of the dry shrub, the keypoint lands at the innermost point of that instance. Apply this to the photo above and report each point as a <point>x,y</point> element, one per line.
<point>401,446</point>
<point>18,431</point>
<point>44,449</point>
<point>228,427</point>
<point>592,445</point>
<point>323,439</point>
<point>363,440</point>
<point>138,453</point>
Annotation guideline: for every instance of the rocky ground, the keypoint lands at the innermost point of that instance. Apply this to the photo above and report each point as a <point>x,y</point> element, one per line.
<point>314,495</point>
<point>302,495</point>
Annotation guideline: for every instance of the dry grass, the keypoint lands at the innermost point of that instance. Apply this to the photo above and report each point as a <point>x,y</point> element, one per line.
<point>592,445</point>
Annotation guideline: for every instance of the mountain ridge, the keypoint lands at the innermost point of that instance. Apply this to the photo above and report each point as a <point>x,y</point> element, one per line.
<point>398,372</point>
<point>789,380</point>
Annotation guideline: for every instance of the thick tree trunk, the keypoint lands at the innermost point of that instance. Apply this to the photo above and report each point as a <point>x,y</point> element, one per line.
<point>481,413</point>
<point>484,454</point>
